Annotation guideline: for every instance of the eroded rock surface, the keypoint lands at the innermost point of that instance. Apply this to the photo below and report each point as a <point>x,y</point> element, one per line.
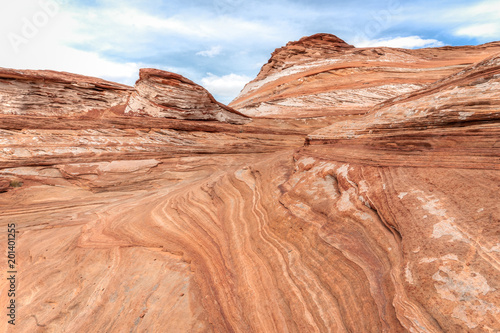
<point>387,222</point>
<point>49,93</point>
<point>157,94</point>
<point>451,123</point>
<point>321,75</point>
<point>164,94</point>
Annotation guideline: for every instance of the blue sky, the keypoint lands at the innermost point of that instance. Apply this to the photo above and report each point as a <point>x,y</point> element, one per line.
<point>220,44</point>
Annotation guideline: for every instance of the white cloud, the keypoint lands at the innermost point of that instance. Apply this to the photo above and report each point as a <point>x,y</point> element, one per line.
<point>63,58</point>
<point>226,87</point>
<point>410,42</point>
<point>480,20</point>
<point>188,25</point>
<point>485,30</point>
<point>484,11</point>
<point>212,52</point>
<point>32,43</point>
<point>51,45</point>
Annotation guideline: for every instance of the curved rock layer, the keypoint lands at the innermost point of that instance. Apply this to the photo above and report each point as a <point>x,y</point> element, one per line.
<point>454,123</point>
<point>321,75</point>
<point>385,223</point>
<point>274,245</point>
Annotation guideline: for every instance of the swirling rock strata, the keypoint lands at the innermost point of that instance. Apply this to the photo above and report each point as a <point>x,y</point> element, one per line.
<point>451,123</point>
<point>271,245</point>
<point>384,223</point>
<point>321,75</point>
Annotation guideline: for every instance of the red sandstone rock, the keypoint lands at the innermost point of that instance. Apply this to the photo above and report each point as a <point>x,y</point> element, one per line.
<point>451,123</point>
<point>164,94</point>
<point>49,93</point>
<point>328,77</point>
<point>387,222</point>
<point>157,94</point>
<point>307,49</point>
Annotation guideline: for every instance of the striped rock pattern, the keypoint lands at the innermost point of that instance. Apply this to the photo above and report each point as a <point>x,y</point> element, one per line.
<point>386,222</point>
<point>322,76</point>
<point>157,94</point>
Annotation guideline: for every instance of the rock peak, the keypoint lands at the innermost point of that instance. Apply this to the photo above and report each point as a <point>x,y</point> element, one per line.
<point>165,94</point>
<point>147,73</point>
<point>310,48</point>
<point>324,39</point>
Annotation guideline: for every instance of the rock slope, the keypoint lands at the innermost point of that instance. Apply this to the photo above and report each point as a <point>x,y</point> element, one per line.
<point>451,123</point>
<point>387,222</point>
<point>321,75</point>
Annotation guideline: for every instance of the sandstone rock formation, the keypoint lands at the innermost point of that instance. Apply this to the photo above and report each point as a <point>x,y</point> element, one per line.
<point>49,93</point>
<point>387,222</point>
<point>452,123</point>
<point>157,94</point>
<point>321,75</point>
<point>164,94</point>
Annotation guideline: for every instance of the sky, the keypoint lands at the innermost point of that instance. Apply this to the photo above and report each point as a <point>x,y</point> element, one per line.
<point>220,44</point>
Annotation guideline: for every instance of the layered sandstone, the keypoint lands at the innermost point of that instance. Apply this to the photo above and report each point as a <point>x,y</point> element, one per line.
<point>164,94</point>
<point>322,76</point>
<point>49,93</point>
<point>387,222</point>
<point>157,94</point>
<point>451,123</point>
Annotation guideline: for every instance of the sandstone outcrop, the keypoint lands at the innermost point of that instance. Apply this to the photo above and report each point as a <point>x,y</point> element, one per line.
<point>385,222</point>
<point>451,123</point>
<point>322,76</point>
<point>157,94</point>
<point>164,94</point>
<point>49,93</point>
<point>307,49</point>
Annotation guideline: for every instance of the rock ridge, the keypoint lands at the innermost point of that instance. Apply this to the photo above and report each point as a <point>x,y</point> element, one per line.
<point>331,79</point>
<point>310,47</point>
<point>164,94</point>
<point>50,93</point>
<point>157,94</point>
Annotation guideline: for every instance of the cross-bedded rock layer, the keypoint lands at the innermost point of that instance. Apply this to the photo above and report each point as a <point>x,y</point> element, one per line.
<point>454,122</point>
<point>383,223</point>
<point>321,76</point>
